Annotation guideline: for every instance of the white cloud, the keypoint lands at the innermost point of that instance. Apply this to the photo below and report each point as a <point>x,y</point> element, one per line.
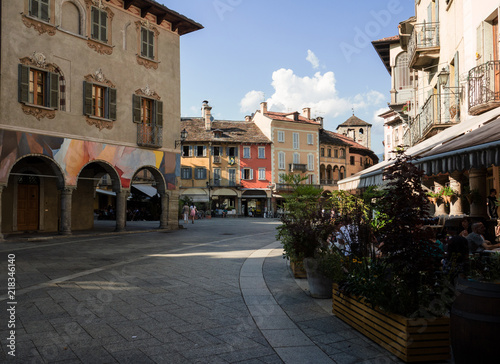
<point>251,101</point>
<point>311,58</point>
<point>292,93</point>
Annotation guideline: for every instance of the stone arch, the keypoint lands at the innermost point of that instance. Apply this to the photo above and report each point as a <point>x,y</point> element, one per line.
<point>322,172</point>
<point>159,179</point>
<point>329,174</point>
<point>68,8</point>
<point>31,193</point>
<point>104,168</point>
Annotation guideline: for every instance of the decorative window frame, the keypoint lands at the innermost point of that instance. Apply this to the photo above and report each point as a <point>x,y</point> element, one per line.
<point>98,78</point>
<point>96,45</point>
<point>38,24</point>
<point>144,61</point>
<point>38,61</point>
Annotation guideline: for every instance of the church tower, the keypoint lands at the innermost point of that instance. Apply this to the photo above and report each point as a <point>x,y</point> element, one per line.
<point>356,129</point>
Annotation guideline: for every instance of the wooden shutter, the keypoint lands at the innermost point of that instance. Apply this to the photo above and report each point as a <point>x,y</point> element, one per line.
<point>104,26</point>
<point>236,151</point>
<point>34,8</point>
<point>144,42</point>
<point>436,15</point>
<point>151,40</point>
<point>111,103</point>
<point>136,109</point>
<point>53,94</point>
<point>23,80</point>
<point>479,42</point>
<point>204,151</point>
<point>204,174</point>
<point>159,113</point>
<point>251,174</point>
<point>87,98</point>
<point>94,26</point>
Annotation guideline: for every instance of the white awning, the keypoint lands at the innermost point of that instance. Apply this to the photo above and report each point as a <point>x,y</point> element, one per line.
<point>373,176</point>
<point>148,190</point>
<point>105,192</point>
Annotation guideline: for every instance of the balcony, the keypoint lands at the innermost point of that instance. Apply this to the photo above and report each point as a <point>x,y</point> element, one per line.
<point>217,159</point>
<point>328,182</point>
<point>149,136</point>
<point>439,112</point>
<point>423,47</point>
<point>295,167</point>
<point>484,87</point>
<point>283,187</point>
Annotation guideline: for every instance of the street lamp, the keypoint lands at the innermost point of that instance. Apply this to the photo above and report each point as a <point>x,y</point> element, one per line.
<point>443,76</point>
<point>184,135</point>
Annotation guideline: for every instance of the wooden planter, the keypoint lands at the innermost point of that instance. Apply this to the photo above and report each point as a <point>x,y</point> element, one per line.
<point>298,269</point>
<point>411,340</point>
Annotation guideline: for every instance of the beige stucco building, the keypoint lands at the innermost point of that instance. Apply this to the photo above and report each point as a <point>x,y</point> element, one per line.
<point>88,88</point>
<point>295,148</point>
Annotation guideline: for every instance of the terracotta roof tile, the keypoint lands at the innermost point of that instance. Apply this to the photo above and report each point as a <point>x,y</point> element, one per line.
<point>232,131</point>
<point>282,116</point>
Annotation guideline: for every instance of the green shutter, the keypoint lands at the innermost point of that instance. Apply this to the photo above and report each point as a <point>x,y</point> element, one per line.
<point>34,8</point>
<point>136,109</point>
<point>53,101</point>
<point>111,103</point>
<point>104,26</point>
<point>151,45</point>
<point>87,98</point>
<point>159,113</point>
<point>144,42</point>
<point>23,80</point>
<point>94,32</point>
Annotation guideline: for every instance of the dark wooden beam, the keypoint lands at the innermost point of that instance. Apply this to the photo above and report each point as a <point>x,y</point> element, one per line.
<point>127,3</point>
<point>175,25</point>
<point>145,10</point>
<point>160,18</point>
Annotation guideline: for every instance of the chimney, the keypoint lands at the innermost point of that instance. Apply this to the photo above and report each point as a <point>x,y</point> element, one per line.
<point>319,119</point>
<point>306,112</point>
<point>263,107</point>
<point>206,115</point>
<point>248,118</point>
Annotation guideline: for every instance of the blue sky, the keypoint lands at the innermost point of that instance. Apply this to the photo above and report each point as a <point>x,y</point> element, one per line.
<point>290,53</point>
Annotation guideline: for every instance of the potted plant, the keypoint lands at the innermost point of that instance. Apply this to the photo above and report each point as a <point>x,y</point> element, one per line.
<point>208,214</point>
<point>433,196</point>
<point>447,193</point>
<point>305,231</point>
<point>394,291</point>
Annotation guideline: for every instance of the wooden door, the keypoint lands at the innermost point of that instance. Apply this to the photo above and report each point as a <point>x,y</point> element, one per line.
<point>27,207</point>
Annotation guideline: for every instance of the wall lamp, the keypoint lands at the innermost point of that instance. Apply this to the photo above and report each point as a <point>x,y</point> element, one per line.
<point>184,135</point>
<point>443,77</point>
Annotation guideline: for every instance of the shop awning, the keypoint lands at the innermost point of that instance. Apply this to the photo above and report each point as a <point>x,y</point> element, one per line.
<point>474,148</point>
<point>224,192</point>
<point>148,190</point>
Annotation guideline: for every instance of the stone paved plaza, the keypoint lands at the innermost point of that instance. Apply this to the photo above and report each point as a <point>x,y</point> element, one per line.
<point>217,291</point>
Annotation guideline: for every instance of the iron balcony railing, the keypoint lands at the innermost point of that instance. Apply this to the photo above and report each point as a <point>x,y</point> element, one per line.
<point>439,110</point>
<point>217,159</point>
<point>484,87</point>
<point>150,136</point>
<point>328,182</point>
<point>424,36</point>
<point>293,167</point>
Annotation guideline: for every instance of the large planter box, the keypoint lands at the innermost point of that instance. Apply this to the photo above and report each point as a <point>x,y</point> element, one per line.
<point>298,269</point>
<point>411,340</point>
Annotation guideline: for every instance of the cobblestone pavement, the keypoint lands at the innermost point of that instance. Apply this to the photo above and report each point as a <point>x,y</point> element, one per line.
<point>218,291</point>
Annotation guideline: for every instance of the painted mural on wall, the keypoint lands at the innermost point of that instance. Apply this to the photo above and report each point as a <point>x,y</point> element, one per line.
<point>72,155</point>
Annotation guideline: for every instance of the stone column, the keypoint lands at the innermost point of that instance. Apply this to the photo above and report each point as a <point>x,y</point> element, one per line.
<point>121,210</point>
<point>477,182</point>
<point>456,201</point>
<point>164,210</point>
<point>1,190</point>
<point>440,205</point>
<point>173,210</point>
<point>66,203</point>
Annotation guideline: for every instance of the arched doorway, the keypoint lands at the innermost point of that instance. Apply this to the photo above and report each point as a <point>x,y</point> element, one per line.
<point>28,202</point>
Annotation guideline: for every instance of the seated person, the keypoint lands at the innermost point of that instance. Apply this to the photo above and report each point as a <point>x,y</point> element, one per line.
<point>465,228</point>
<point>476,241</point>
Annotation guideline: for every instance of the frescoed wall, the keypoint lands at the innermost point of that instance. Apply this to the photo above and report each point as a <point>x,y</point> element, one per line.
<point>72,155</point>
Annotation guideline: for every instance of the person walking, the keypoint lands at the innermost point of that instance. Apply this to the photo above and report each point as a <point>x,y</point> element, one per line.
<point>193,212</point>
<point>185,213</point>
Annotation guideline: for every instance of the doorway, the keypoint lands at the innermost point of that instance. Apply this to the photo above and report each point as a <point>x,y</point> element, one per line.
<point>28,203</point>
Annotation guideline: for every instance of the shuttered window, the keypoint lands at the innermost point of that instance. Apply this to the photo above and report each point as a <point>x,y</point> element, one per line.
<point>147,111</point>
<point>99,26</point>
<point>38,87</point>
<point>147,43</point>
<point>281,160</point>
<point>186,173</point>
<point>200,173</point>
<point>99,101</point>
